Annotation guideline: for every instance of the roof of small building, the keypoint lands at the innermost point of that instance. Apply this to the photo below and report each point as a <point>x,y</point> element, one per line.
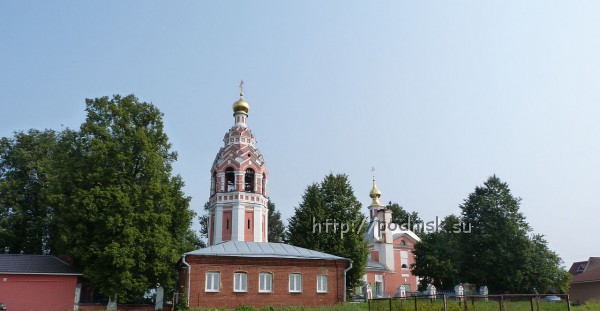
<point>591,271</point>
<point>577,267</point>
<point>373,265</point>
<point>261,249</point>
<point>34,264</point>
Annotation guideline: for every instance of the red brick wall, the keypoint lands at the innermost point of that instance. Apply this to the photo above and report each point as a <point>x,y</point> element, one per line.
<point>582,292</point>
<point>37,292</point>
<point>280,268</point>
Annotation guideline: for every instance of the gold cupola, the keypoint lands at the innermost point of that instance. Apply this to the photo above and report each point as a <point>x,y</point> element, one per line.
<point>375,194</point>
<point>241,106</point>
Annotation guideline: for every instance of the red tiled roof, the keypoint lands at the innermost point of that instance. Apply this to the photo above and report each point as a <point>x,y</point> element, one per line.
<point>596,260</point>
<point>591,274</point>
<point>577,267</point>
<point>588,276</point>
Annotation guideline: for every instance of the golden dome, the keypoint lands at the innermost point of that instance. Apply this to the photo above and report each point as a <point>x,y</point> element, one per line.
<point>375,194</point>
<point>241,106</point>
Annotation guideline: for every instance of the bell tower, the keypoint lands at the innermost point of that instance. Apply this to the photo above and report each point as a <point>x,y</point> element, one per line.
<point>238,204</point>
<point>383,236</point>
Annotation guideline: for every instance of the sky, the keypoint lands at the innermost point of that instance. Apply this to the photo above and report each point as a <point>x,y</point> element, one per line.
<point>436,95</point>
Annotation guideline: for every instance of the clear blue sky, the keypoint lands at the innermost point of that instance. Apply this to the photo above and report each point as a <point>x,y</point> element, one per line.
<point>437,95</point>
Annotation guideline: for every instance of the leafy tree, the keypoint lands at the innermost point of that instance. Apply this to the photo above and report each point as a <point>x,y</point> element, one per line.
<point>495,248</point>
<point>545,274</point>
<point>400,216</point>
<point>25,213</point>
<point>438,257</point>
<point>310,211</point>
<point>332,201</point>
<point>276,227</point>
<point>123,217</point>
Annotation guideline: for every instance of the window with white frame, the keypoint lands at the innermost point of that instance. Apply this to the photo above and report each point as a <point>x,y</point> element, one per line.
<point>404,259</point>
<point>213,281</point>
<point>265,282</point>
<point>295,283</point>
<point>240,282</point>
<point>321,283</point>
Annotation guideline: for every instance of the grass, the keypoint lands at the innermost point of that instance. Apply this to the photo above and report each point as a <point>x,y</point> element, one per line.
<point>426,305</point>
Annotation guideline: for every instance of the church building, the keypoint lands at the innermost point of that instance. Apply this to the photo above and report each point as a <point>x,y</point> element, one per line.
<point>240,266</point>
<point>388,267</point>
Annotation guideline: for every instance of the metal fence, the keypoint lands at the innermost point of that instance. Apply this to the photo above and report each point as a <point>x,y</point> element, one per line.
<point>442,302</point>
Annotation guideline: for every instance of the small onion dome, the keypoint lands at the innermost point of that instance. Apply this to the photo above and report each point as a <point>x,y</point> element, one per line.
<point>241,106</point>
<point>375,194</point>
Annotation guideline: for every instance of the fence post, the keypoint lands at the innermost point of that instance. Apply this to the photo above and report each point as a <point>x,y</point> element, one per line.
<point>501,302</point>
<point>416,309</point>
<point>531,301</point>
<point>369,303</point>
<point>537,302</point>
<point>390,303</point>
<point>568,303</point>
<point>446,303</point>
<point>466,303</point>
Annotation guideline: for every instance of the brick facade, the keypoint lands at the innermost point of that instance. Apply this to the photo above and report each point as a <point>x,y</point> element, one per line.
<point>280,268</point>
<point>583,292</point>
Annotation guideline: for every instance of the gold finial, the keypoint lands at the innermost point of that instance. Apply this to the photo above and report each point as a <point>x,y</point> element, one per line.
<point>241,106</point>
<point>375,193</point>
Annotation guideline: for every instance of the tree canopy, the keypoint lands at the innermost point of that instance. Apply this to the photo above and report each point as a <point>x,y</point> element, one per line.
<point>103,195</point>
<point>498,251</point>
<point>332,201</point>
<point>438,257</point>
<point>25,212</point>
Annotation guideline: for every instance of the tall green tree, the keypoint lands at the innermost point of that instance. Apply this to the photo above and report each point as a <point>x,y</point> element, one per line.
<point>332,201</point>
<point>25,212</point>
<point>438,257</point>
<point>276,227</point>
<point>495,249</point>
<point>123,217</point>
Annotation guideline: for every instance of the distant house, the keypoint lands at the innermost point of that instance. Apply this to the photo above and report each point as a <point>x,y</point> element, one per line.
<point>37,282</point>
<point>586,280</point>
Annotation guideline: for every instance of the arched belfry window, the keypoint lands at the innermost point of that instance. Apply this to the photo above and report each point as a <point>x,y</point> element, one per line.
<point>229,179</point>
<point>213,183</point>
<point>249,180</point>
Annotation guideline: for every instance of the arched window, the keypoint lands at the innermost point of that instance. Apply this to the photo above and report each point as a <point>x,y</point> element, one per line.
<point>213,183</point>
<point>229,179</point>
<point>249,180</point>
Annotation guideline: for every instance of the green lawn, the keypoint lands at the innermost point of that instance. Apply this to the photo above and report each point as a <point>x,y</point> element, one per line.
<point>426,305</point>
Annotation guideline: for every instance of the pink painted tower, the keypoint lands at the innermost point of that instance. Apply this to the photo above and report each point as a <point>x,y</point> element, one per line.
<point>238,188</point>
